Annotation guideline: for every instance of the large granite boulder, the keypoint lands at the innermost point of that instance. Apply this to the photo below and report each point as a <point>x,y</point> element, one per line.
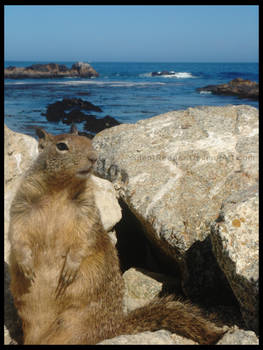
<point>235,241</point>
<point>51,70</point>
<point>237,87</point>
<point>174,171</point>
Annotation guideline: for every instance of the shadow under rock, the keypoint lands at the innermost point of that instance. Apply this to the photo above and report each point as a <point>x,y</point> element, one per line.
<point>11,319</point>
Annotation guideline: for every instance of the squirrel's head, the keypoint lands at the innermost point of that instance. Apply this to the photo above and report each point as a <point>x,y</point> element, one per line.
<point>66,156</point>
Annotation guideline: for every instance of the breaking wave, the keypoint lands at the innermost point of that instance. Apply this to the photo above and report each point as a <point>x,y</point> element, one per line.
<point>171,74</point>
<point>204,92</point>
<point>88,82</point>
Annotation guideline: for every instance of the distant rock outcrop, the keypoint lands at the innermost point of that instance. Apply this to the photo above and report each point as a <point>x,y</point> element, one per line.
<point>237,87</point>
<point>51,70</point>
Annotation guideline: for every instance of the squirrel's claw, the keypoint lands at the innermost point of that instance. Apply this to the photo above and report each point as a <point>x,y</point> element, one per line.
<point>27,271</point>
<point>67,276</point>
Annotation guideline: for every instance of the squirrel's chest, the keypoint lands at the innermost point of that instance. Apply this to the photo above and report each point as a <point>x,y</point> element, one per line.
<point>55,221</point>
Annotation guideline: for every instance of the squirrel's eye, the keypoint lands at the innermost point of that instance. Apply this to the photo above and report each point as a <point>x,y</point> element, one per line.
<point>62,146</point>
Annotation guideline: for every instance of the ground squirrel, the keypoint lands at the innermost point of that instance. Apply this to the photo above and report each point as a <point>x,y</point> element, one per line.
<point>65,275</point>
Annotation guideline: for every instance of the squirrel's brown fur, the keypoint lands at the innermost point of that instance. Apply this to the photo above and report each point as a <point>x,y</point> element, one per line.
<point>65,275</point>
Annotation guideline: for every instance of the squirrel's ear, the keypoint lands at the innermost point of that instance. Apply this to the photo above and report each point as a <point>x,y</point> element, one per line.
<point>41,133</point>
<point>73,129</point>
<point>43,138</point>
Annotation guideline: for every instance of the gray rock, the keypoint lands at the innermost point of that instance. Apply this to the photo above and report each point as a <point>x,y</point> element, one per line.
<point>142,286</point>
<point>107,203</point>
<point>174,171</point>
<point>238,336</point>
<point>235,241</point>
<point>159,337</point>
<point>20,151</point>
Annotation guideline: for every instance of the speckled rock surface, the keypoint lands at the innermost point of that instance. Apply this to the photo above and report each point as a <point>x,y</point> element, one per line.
<point>238,336</point>
<point>235,240</point>
<point>19,152</point>
<point>142,286</point>
<point>105,197</point>
<point>159,337</point>
<point>174,171</point>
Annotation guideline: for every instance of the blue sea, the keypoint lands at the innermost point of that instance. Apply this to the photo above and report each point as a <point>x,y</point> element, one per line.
<point>124,90</point>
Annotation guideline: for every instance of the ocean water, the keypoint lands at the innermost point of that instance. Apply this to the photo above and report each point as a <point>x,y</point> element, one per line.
<point>125,91</point>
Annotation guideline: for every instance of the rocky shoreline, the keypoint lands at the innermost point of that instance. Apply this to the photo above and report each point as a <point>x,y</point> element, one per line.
<point>185,184</point>
<point>236,87</point>
<point>51,70</point>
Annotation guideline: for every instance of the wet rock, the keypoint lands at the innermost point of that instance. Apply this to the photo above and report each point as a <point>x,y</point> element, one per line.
<point>236,87</point>
<point>56,111</point>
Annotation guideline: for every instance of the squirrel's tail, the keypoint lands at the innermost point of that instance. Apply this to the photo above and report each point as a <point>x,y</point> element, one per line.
<point>176,316</point>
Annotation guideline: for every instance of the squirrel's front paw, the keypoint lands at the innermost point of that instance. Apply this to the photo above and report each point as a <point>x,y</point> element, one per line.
<point>25,263</point>
<point>28,271</point>
<point>68,275</point>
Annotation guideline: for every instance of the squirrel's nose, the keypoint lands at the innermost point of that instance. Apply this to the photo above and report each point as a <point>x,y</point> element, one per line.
<point>92,157</point>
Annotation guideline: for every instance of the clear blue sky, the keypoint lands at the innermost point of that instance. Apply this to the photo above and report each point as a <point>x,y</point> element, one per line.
<point>132,33</point>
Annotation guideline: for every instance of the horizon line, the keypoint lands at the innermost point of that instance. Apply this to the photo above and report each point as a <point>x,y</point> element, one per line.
<point>117,61</point>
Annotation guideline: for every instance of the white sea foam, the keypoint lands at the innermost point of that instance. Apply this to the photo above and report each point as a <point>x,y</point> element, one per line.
<point>173,74</point>
<point>145,75</point>
<point>108,83</point>
<point>16,83</point>
<point>89,82</point>
<point>203,92</point>
<point>179,75</point>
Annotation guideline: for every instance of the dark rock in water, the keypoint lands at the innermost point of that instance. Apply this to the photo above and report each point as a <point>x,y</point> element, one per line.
<point>75,116</point>
<point>11,67</point>
<point>236,87</point>
<point>96,125</point>
<point>164,72</point>
<point>51,70</point>
<point>56,111</point>
<point>75,106</point>
<point>69,103</point>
